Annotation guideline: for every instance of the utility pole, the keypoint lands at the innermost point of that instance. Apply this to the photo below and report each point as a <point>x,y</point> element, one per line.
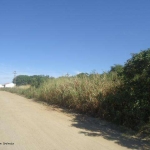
<point>15,77</point>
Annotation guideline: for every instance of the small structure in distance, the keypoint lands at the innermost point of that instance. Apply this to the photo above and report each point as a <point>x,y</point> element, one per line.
<point>1,86</point>
<point>9,85</point>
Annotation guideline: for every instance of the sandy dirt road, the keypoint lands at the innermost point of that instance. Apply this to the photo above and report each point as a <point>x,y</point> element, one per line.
<point>29,125</point>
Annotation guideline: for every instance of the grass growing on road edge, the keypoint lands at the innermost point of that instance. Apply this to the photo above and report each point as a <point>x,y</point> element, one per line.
<point>84,94</point>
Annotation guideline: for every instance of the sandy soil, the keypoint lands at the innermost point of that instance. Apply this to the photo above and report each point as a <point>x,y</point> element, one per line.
<point>29,125</point>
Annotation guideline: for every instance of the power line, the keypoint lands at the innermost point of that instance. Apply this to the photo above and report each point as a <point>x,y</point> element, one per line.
<point>14,76</point>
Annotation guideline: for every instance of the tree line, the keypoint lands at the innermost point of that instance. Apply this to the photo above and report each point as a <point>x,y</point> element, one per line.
<point>35,80</point>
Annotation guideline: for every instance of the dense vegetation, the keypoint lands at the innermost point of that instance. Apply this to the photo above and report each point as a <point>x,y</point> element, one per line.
<point>121,95</point>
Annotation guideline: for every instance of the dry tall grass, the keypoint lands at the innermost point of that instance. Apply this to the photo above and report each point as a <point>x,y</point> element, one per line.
<point>84,94</point>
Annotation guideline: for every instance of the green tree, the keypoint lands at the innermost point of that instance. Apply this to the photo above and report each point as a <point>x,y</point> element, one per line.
<point>117,69</point>
<point>21,80</point>
<point>129,103</point>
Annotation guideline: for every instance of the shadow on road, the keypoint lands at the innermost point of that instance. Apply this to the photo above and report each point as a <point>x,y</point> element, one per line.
<point>95,127</point>
<point>99,128</point>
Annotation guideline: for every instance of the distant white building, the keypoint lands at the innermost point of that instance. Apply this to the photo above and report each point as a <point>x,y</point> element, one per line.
<point>9,85</point>
<point>1,86</point>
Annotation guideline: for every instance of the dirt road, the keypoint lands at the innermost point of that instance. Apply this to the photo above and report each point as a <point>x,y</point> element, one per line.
<point>29,125</point>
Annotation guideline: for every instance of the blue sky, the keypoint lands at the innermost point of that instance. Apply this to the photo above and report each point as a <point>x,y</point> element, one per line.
<point>70,36</point>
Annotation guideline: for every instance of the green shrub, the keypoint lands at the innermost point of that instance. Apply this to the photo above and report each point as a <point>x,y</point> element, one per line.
<point>137,82</point>
<point>129,103</point>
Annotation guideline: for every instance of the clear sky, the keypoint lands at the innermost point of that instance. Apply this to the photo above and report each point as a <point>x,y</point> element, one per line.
<point>56,37</point>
